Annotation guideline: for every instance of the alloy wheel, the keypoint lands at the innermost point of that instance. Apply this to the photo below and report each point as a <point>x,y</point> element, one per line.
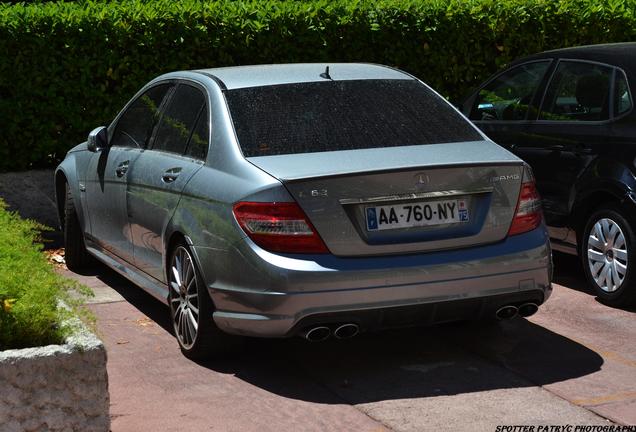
<point>184,297</point>
<point>607,254</point>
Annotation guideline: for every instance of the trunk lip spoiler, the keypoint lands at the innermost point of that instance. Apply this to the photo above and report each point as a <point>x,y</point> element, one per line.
<point>416,195</point>
<point>295,167</point>
<point>293,179</point>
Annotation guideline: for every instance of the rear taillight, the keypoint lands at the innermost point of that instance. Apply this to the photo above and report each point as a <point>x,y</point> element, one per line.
<point>528,215</point>
<point>278,227</point>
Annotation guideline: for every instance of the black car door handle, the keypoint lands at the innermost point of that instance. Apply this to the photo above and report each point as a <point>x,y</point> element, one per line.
<point>122,168</point>
<point>171,175</point>
<point>582,150</point>
<point>556,148</point>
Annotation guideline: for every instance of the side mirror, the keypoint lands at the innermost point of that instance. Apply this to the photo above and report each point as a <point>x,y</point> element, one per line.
<point>97,139</point>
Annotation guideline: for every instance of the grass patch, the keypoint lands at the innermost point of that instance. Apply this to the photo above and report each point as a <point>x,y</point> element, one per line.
<point>30,289</point>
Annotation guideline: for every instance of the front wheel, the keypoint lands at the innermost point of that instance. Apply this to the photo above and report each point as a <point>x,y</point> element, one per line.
<point>608,254</point>
<point>191,310</point>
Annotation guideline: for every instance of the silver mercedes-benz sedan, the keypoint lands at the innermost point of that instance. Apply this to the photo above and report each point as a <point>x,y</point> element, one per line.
<point>304,199</point>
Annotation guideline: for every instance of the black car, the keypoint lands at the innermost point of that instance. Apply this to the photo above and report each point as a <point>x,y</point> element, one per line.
<point>569,114</point>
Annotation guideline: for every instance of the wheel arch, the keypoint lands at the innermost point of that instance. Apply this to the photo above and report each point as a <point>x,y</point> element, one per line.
<point>60,195</point>
<point>175,236</point>
<point>170,240</point>
<point>591,202</point>
<point>605,180</point>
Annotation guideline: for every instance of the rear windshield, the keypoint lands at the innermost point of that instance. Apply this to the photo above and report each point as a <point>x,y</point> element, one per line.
<point>342,115</point>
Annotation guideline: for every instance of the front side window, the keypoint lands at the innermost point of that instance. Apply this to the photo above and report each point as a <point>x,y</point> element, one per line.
<point>342,115</point>
<point>177,122</point>
<point>508,96</point>
<point>135,125</point>
<point>622,98</point>
<point>578,91</point>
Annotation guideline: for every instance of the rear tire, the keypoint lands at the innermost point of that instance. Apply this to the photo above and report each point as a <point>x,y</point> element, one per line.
<point>191,310</point>
<point>75,253</point>
<point>608,255</point>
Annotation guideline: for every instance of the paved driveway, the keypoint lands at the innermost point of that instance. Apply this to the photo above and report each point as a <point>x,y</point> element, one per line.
<point>572,363</point>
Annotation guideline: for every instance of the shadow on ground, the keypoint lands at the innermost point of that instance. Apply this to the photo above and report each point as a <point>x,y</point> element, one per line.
<point>397,364</point>
<point>569,273</point>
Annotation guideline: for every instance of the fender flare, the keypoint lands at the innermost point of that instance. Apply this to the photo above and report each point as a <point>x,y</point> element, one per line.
<point>603,178</point>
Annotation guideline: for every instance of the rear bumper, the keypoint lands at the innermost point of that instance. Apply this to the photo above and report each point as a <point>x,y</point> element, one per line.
<point>257,293</point>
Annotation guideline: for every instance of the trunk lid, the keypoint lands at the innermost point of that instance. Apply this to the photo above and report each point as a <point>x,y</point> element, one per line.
<point>366,202</point>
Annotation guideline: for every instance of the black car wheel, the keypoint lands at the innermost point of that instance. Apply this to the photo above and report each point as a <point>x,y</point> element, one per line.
<point>191,310</point>
<point>608,254</point>
<point>76,256</point>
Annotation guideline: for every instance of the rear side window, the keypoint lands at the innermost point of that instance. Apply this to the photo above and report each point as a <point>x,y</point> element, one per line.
<point>342,115</point>
<point>622,98</point>
<point>508,96</point>
<point>178,120</point>
<point>135,125</point>
<point>198,145</point>
<point>578,91</point>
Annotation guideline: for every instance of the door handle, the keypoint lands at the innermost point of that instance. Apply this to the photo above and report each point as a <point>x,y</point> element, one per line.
<point>556,148</point>
<point>171,175</point>
<point>122,168</point>
<point>582,150</point>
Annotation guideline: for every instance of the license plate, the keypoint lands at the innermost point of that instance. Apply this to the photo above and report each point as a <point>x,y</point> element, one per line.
<point>416,214</point>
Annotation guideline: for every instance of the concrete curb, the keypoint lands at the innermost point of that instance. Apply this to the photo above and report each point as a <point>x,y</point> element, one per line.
<point>56,387</point>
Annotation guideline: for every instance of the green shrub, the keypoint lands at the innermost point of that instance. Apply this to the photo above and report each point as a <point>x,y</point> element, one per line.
<point>30,289</point>
<point>68,67</point>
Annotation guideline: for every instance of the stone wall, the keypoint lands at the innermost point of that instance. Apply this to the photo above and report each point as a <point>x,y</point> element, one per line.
<point>56,387</point>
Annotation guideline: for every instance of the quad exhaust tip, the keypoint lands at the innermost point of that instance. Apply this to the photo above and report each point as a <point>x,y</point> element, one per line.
<point>317,334</point>
<point>321,333</point>
<point>346,331</point>
<point>507,312</point>
<point>527,309</point>
<point>511,311</point>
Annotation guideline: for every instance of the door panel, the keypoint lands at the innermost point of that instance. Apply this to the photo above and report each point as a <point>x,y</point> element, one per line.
<point>106,199</point>
<point>155,184</point>
<point>109,170</point>
<point>561,144</point>
<point>558,154</point>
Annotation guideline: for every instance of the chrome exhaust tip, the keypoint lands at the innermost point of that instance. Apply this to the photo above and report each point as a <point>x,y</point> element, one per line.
<point>346,331</point>
<point>507,312</point>
<point>317,334</point>
<point>527,309</point>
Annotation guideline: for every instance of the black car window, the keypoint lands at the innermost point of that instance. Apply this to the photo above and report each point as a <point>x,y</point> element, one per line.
<point>508,96</point>
<point>578,91</point>
<point>135,125</point>
<point>342,115</point>
<point>622,98</point>
<point>178,119</point>
<point>198,145</point>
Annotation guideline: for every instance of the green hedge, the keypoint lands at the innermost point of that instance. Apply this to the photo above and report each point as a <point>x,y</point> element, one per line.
<point>68,67</point>
<point>30,289</point>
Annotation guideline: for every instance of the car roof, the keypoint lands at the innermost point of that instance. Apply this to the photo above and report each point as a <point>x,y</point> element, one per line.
<point>622,55</point>
<point>275,74</point>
